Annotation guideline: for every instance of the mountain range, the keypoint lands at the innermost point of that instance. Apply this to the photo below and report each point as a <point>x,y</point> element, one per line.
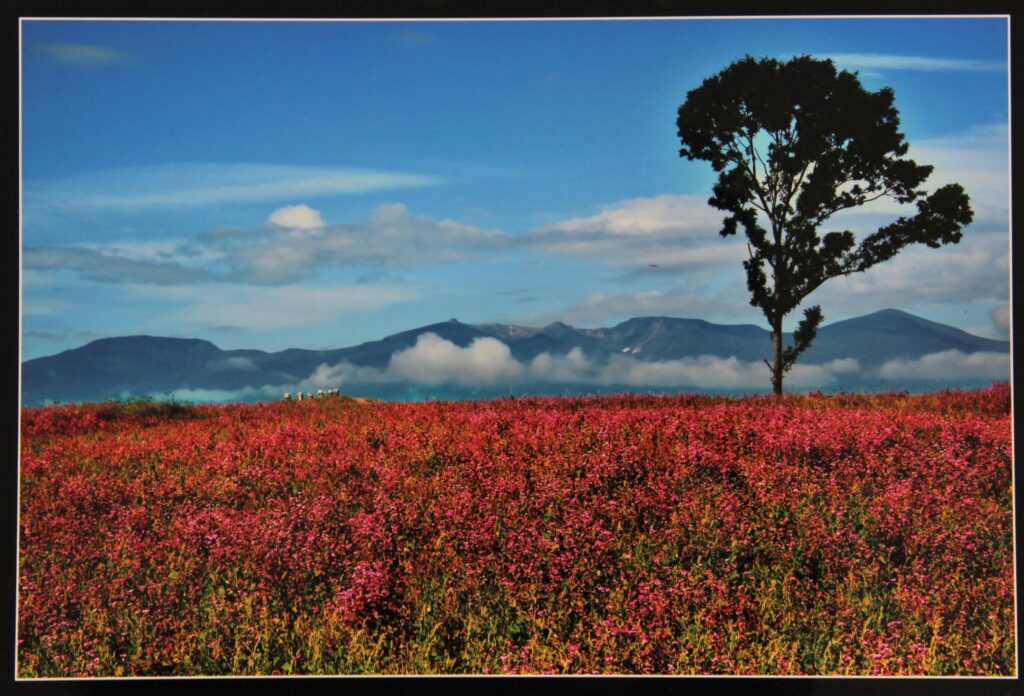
<point>133,366</point>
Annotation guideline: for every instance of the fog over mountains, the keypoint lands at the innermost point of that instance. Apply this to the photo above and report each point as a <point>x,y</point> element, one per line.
<point>885,350</point>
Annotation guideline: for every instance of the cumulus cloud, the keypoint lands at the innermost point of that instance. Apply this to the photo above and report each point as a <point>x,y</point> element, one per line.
<point>976,269</point>
<point>1001,321</point>
<point>668,234</point>
<point>940,366</point>
<point>433,360</point>
<point>487,362</point>
<point>681,231</point>
<point>674,215</point>
<point>703,371</point>
<point>293,245</point>
<point>561,368</point>
<point>392,237</point>
<point>979,159</point>
<point>344,373</point>
<point>667,231</point>
<point>82,55</point>
<point>296,216</point>
<point>713,372</point>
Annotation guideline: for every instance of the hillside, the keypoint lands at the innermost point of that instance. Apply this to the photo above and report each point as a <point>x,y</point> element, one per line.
<point>140,365</point>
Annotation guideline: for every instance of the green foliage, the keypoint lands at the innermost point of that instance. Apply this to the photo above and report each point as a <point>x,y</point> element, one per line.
<point>793,144</point>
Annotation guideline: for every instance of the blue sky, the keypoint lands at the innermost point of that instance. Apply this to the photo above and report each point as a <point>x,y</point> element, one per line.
<point>319,184</point>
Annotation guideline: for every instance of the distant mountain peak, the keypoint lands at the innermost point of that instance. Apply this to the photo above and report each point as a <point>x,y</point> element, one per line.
<point>141,364</point>
<point>559,329</point>
<point>146,341</point>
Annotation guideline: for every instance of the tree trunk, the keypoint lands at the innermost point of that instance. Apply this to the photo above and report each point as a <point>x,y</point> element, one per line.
<point>777,357</point>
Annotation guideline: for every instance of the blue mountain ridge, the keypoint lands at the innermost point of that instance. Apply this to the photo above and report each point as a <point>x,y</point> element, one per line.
<point>111,368</point>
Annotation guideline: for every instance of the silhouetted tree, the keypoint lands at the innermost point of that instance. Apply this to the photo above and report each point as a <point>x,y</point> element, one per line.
<point>794,143</point>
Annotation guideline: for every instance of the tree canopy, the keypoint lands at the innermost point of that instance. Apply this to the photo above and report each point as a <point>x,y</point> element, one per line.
<point>793,144</point>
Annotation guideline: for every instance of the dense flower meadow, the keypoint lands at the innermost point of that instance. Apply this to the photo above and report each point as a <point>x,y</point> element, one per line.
<point>687,535</point>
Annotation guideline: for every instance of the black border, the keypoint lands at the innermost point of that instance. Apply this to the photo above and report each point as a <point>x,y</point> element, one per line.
<point>9,413</point>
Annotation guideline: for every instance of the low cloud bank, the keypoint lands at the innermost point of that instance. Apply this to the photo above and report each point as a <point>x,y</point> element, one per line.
<point>949,364</point>
<point>267,392</point>
<point>435,362</point>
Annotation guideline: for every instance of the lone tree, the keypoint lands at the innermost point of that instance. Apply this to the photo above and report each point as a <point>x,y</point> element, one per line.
<point>794,143</point>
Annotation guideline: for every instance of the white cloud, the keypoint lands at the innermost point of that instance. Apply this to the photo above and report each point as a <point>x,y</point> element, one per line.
<point>433,361</point>
<point>296,216</point>
<point>111,267</point>
<point>979,159</point>
<point>560,368</point>
<point>976,269</point>
<point>679,234</point>
<point>392,237</point>
<point>949,363</point>
<point>842,366</point>
<point>675,215</point>
<point>712,372</point>
<point>294,246</point>
<point>730,305</point>
<point>82,55</point>
<point>703,371</point>
<point>331,376</point>
<point>212,396</point>
<point>1001,321</point>
<point>882,61</point>
<point>666,231</point>
<point>232,364</point>
<point>168,249</point>
<point>199,184</point>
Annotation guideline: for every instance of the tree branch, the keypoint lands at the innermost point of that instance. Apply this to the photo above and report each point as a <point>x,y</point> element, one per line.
<point>741,161</point>
<point>826,214</point>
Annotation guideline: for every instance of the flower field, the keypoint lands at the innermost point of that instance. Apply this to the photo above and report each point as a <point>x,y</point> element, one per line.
<point>629,535</point>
